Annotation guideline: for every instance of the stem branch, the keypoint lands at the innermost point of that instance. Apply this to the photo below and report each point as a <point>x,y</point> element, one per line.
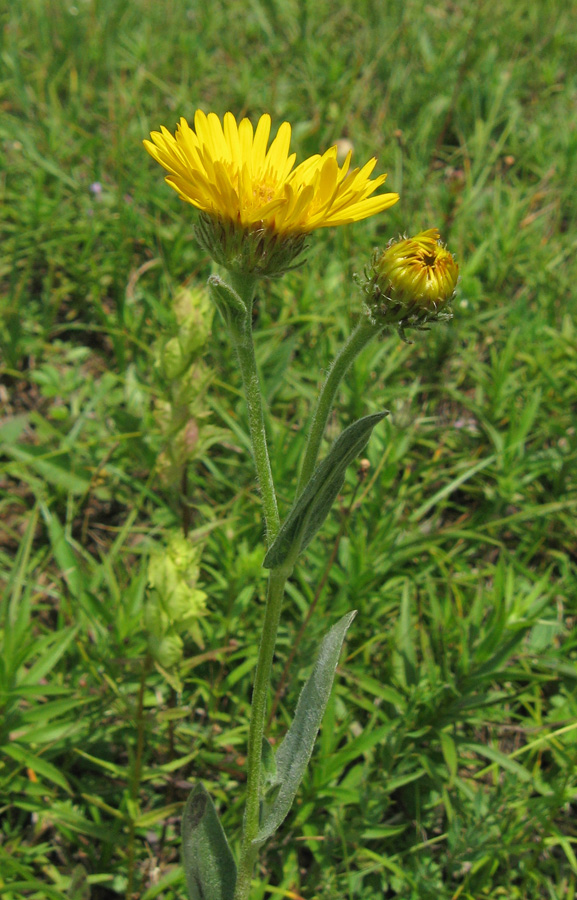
<point>296,643</point>
<point>358,340</point>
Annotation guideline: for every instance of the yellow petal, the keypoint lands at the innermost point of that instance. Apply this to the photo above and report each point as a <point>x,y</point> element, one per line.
<point>228,170</point>
<point>278,150</point>
<point>260,143</point>
<point>245,135</point>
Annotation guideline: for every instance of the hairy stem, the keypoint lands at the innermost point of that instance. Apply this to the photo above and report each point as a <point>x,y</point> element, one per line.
<point>249,851</point>
<point>244,346</point>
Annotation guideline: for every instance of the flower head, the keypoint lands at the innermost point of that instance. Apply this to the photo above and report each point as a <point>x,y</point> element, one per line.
<point>244,187</point>
<point>412,282</point>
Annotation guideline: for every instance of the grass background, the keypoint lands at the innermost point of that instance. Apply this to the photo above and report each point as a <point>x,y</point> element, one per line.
<point>446,765</point>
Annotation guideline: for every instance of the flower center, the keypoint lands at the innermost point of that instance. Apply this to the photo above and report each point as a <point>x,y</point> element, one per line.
<point>262,193</point>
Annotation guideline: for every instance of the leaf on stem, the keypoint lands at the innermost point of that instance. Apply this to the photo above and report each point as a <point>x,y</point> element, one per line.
<point>230,305</point>
<point>269,774</point>
<point>295,751</point>
<point>314,503</point>
<point>206,857</point>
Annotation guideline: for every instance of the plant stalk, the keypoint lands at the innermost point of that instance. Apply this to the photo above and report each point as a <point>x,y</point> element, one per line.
<point>249,851</point>
<point>244,346</point>
<point>357,341</point>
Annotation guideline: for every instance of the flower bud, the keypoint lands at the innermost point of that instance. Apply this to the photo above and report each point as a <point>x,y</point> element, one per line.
<point>412,282</point>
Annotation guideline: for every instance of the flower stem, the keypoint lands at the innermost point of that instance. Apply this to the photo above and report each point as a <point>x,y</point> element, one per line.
<point>345,515</point>
<point>249,851</point>
<point>358,340</point>
<point>244,346</point>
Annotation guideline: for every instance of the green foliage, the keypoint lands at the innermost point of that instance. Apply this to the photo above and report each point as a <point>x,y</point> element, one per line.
<point>313,505</point>
<point>445,764</point>
<point>175,603</point>
<point>294,753</point>
<point>207,859</point>
<point>229,304</point>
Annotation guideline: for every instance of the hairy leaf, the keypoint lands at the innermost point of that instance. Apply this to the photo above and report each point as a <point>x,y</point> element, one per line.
<point>206,857</point>
<point>313,505</point>
<point>296,749</point>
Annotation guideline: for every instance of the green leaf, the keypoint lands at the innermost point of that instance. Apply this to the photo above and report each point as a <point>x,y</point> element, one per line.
<point>313,505</point>
<point>63,553</point>
<point>12,429</point>
<point>156,815</point>
<point>449,749</point>
<point>55,467</point>
<point>229,304</point>
<point>206,857</point>
<point>295,751</point>
<point>404,656</point>
<point>171,878</point>
<point>500,759</point>
<point>269,774</point>
<point>49,650</point>
<point>38,765</point>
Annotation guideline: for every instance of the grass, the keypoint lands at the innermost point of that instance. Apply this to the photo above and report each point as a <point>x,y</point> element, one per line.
<point>446,764</point>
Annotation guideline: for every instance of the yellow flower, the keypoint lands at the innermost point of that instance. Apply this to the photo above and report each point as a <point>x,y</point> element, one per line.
<point>227,171</point>
<point>412,282</point>
<point>256,207</point>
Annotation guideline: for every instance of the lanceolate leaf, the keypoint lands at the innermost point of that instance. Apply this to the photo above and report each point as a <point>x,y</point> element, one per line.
<point>269,775</point>
<point>295,751</point>
<point>313,505</point>
<point>206,857</point>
